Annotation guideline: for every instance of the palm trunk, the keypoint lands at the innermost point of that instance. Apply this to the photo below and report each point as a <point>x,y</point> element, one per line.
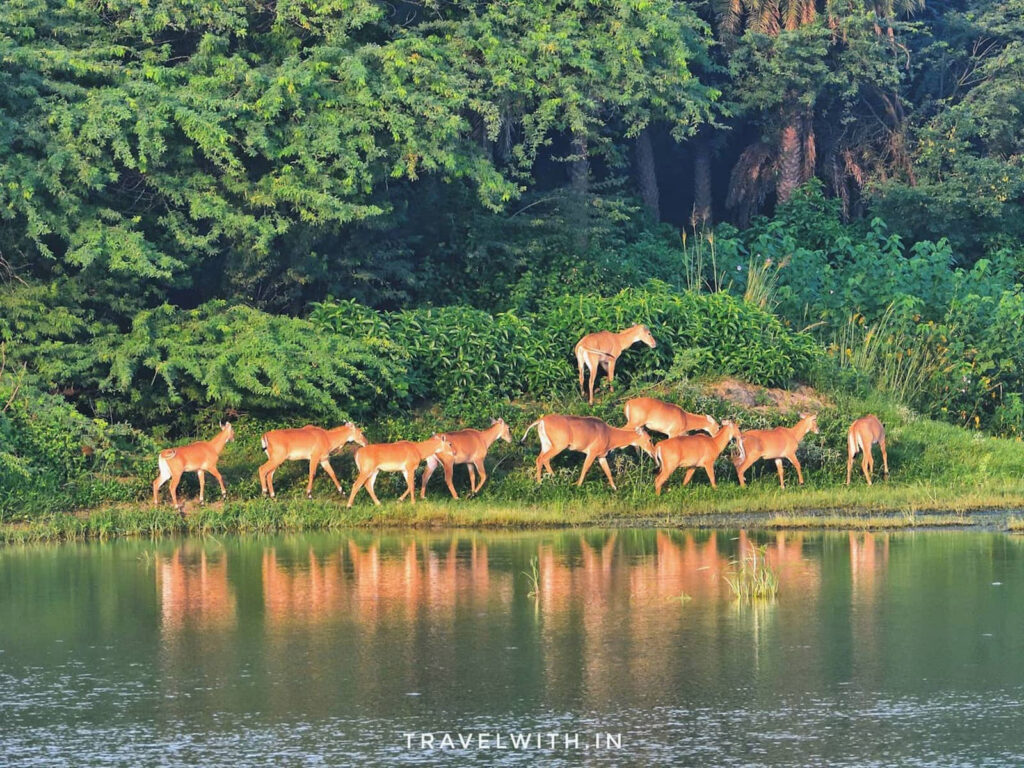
<point>790,160</point>
<point>809,157</point>
<point>579,179</point>
<point>646,174</point>
<point>701,183</point>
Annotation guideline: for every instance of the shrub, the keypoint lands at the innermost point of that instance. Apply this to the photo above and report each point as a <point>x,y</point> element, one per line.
<point>468,358</point>
<point>236,357</point>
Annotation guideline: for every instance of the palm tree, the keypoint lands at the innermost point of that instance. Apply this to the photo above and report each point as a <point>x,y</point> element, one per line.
<point>784,161</point>
<point>794,158</point>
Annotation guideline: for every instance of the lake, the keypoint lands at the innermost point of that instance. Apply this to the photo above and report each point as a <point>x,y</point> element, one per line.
<point>376,648</point>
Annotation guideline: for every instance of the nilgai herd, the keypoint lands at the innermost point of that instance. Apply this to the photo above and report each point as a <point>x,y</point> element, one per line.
<point>685,446</point>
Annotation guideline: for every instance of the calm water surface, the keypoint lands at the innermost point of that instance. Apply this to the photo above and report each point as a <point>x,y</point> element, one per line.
<point>330,649</point>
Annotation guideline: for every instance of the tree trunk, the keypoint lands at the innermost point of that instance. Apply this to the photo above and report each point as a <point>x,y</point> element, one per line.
<point>809,158</point>
<point>646,174</point>
<point>579,179</point>
<point>701,183</point>
<point>790,161</point>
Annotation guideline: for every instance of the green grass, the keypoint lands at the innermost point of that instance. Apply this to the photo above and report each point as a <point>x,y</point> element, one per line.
<point>751,577</point>
<point>940,473</point>
<point>869,522</point>
<point>881,506</point>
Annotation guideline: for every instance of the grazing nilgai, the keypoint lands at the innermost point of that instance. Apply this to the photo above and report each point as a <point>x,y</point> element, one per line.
<point>778,444</point>
<point>198,457</point>
<point>588,435</point>
<point>403,456</point>
<point>669,419</point>
<point>603,348</point>
<point>470,446</point>
<point>864,433</point>
<point>307,443</point>
<point>692,451</point>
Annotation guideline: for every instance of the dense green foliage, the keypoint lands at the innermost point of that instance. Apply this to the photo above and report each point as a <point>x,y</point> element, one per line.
<point>467,359</point>
<point>407,215</point>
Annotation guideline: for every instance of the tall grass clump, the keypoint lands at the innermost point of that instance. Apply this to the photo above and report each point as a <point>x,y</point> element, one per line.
<point>752,578</point>
<point>700,261</point>
<point>763,282</point>
<point>533,578</point>
<point>898,361</point>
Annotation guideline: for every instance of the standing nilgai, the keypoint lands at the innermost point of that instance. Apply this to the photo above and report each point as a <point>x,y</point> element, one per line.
<point>603,348</point>
<point>198,457</point>
<point>588,435</point>
<point>778,444</point>
<point>307,443</point>
<point>692,451</point>
<point>470,446</point>
<point>864,433</point>
<point>667,418</point>
<point>403,456</point>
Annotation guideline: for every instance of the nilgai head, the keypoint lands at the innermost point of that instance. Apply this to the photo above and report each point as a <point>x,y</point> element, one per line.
<point>356,434</point>
<point>643,441</point>
<point>441,445</point>
<point>503,433</point>
<point>644,334</point>
<point>733,430</point>
<point>811,420</point>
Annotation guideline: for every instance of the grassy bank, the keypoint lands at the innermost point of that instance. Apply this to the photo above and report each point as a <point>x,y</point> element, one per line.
<point>941,474</point>
<point>882,506</point>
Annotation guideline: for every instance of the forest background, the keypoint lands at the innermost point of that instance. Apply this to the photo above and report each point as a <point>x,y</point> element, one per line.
<point>407,213</point>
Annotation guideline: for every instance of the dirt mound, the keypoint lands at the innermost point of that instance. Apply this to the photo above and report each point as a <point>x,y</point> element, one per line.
<point>756,398</point>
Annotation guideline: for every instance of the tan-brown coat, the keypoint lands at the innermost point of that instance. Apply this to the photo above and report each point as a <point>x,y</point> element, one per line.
<point>308,443</point>
<point>403,456</point>
<point>200,457</point>
<point>667,418</point>
<point>775,444</point>
<point>470,447</point>
<point>603,349</point>
<point>692,451</point>
<point>864,433</point>
<point>588,435</point>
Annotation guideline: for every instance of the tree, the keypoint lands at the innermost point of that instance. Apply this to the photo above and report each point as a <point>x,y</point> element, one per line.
<point>789,61</point>
<point>594,72</point>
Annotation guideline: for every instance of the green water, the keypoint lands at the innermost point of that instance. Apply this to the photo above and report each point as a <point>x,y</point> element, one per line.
<point>346,649</point>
